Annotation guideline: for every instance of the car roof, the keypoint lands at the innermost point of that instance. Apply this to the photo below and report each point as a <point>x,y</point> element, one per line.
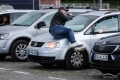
<point>113,12</point>
<point>96,13</point>
<point>6,7</point>
<point>14,11</point>
<point>73,9</point>
<point>100,13</point>
<point>70,10</point>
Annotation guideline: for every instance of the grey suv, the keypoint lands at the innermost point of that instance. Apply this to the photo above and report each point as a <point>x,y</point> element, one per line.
<point>15,38</point>
<point>88,28</point>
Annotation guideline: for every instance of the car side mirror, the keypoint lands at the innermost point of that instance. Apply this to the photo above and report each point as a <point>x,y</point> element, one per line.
<point>40,24</point>
<point>97,31</point>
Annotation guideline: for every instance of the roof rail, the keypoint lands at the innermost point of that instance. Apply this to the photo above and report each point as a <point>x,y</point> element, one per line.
<point>72,7</point>
<point>77,7</point>
<point>112,11</point>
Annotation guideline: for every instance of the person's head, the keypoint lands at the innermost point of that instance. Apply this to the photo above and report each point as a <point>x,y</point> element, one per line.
<point>5,19</point>
<point>63,10</point>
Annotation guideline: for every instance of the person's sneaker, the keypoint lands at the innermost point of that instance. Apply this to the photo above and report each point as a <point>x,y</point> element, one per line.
<point>74,45</point>
<point>82,48</point>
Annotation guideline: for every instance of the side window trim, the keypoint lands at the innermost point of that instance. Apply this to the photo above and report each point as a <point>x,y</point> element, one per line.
<point>11,18</point>
<point>119,22</point>
<point>43,20</point>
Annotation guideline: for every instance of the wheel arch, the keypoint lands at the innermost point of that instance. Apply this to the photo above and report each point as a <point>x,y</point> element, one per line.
<point>85,51</point>
<point>20,38</point>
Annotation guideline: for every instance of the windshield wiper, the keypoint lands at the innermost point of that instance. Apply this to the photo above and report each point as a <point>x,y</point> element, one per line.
<point>17,24</point>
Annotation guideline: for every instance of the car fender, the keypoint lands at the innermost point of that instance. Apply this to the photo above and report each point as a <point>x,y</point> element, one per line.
<point>16,36</point>
<point>88,48</point>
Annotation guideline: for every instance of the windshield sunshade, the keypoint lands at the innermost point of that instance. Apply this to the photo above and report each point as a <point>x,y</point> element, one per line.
<point>27,19</point>
<point>79,22</point>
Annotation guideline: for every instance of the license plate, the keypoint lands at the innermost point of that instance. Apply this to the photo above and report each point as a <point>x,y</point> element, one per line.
<point>34,52</point>
<point>101,57</point>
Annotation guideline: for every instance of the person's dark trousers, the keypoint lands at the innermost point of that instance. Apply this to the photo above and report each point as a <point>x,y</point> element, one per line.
<point>60,31</point>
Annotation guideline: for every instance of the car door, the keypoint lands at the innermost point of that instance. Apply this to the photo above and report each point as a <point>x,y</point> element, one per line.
<point>109,26</point>
<point>47,20</point>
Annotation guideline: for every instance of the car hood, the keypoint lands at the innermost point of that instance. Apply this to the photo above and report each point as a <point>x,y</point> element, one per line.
<point>9,28</point>
<point>110,40</point>
<point>46,38</point>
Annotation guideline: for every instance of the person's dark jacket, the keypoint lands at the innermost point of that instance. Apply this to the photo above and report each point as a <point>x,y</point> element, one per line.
<point>60,19</point>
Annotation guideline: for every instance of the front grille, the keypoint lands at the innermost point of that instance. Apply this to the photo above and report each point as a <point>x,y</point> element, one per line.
<point>104,49</point>
<point>106,64</point>
<point>40,59</point>
<point>96,48</point>
<point>37,44</point>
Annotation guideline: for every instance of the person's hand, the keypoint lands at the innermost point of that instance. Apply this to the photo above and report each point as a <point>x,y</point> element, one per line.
<point>101,31</point>
<point>69,14</point>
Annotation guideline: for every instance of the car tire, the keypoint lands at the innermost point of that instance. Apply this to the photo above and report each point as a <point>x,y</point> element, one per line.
<point>75,60</point>
<point>108,71</point>
<point>46,64</point>
<point>18,51</point>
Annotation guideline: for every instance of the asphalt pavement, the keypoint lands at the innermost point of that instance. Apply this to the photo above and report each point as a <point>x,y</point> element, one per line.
<point>10,70</point>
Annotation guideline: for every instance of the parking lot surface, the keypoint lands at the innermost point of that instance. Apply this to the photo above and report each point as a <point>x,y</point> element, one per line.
<point>10,70</point>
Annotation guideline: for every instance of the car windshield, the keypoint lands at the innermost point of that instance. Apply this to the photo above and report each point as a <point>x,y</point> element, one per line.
<point>79,22</point>
<point>27,19</point>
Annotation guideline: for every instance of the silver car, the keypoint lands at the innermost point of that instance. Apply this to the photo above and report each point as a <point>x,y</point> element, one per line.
<point>15,38</point>
<point>12,15</point>
<point>88,28</point>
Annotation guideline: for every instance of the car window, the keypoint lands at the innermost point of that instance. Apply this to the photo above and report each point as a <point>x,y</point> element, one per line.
<point>79,22</point>
<point>108,24</point>
<point>27,19</point>
<point>4,21</point>
<point>88,31</point>
<point>48,19</point>
<point>14,16</point>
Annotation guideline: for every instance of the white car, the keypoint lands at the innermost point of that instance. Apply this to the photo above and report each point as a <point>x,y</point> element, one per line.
<point>14,38</point>
<point>88,28</point>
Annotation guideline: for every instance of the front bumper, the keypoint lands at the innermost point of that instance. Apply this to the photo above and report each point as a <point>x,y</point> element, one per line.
<point>3,46</point>
<point>113,62</point>
<point>46,55</point>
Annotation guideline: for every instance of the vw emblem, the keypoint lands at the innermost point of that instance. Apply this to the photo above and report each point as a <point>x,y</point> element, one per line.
<point>35,44</point>
<point>103,43</point>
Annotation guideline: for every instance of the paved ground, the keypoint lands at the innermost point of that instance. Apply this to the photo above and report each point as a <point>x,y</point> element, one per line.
<point>10,70</point>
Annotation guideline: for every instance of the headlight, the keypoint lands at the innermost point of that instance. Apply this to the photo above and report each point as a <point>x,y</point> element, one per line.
<point>29,43</point>
<point>3,36</point>
<point>52,45</point>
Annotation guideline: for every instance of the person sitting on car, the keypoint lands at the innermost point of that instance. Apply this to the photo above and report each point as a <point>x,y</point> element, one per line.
<point>57,29</point>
